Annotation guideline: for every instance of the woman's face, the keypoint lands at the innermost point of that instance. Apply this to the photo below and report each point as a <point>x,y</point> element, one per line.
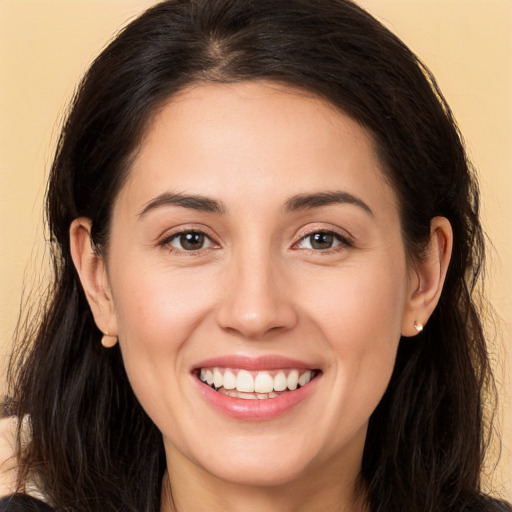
<point>256,242</point>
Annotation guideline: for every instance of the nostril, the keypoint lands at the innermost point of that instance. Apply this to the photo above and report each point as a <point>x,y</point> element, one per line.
<point>256,323</point>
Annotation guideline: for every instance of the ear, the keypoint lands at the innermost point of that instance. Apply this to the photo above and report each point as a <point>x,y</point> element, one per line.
<point>92,271</point>
<point>427,277</point>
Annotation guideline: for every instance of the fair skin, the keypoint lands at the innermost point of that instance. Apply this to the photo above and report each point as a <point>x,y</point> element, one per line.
<point>285,256</point>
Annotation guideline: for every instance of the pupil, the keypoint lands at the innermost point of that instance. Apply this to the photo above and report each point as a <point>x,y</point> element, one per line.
<point>322,241</point>
<point>192,241</point>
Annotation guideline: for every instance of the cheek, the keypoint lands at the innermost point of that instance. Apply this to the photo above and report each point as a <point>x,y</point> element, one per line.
<point>355,305</point>
<point>157,310</point>
<point>158,304</point>
<point>359,314</point>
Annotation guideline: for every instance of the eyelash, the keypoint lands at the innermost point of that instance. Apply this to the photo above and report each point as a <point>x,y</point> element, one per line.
<point>344,241</point>
<point>166,242</point>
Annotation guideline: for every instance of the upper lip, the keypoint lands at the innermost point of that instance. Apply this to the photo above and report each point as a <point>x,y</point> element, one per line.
<point>261,363</point>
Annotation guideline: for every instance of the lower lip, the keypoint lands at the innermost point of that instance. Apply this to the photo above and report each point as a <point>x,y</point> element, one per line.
<point>257,409</point>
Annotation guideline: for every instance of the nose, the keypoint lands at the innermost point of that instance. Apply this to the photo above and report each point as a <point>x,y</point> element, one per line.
<point>256,300</point>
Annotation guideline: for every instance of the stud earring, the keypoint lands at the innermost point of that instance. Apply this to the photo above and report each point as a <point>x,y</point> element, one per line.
<point>418,326</point>
<point>108,341</point>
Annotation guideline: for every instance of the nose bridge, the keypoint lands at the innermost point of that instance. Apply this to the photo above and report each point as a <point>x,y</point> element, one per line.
<point>256,299</point>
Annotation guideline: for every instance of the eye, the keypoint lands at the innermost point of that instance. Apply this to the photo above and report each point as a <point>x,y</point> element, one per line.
<point>189,241</point>
<point>322,241</point>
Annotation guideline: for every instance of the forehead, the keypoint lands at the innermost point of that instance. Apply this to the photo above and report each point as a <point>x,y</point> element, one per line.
<point>261,139</point>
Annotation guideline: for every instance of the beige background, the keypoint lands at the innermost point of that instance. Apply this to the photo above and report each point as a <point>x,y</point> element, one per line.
<point>45,45</point>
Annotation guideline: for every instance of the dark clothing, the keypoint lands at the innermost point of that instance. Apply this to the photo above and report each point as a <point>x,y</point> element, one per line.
<point>23,503</point>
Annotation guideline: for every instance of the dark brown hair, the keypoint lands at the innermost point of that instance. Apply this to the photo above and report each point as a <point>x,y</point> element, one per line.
<point>93,447</point>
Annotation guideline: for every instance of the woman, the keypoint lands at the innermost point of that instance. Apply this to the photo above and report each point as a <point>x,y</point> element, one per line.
<point>266,240</point>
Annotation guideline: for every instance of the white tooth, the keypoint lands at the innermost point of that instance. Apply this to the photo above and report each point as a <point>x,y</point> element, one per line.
<point>229,380</point>
<point>293,380</point>
<point>305,377</point>
<point>263,383</point>
<point>273,395</point>
<point>244,382</point>
<point>262,396</point>
<point>209,377</point>
<point>203,375</point>
<point>218,380</point>
<point>237,394</point>
<point>248,396</point>
<point>280,382</point>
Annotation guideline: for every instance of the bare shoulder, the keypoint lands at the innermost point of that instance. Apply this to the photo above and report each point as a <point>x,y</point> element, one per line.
<point>7,456</point>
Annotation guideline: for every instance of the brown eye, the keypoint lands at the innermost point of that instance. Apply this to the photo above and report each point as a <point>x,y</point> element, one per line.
<point>322,240</point>
<point>190,241</point>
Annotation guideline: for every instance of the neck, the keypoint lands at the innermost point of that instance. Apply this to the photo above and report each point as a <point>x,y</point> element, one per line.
<point>332,488</point>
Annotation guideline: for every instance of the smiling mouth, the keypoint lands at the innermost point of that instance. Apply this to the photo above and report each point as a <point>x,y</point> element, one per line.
<point>254,385</point>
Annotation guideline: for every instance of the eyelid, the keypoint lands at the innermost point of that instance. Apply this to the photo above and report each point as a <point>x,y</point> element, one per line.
<point>342,235</point>
<point>170,234</point>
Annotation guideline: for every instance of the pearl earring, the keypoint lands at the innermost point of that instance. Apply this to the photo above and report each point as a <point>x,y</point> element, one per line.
<point>108,341</point>
<point>418,326</point>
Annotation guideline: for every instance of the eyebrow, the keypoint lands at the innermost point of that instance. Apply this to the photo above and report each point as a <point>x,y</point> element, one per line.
<point>317,200</point>
<point>296,203</point>
<point>193,202</point>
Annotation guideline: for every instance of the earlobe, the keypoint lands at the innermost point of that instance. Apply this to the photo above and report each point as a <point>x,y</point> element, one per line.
<point>92,271</point>
<point>427,279</point>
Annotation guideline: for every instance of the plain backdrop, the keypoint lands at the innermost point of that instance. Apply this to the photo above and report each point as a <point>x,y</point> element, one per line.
<point>45,46</point>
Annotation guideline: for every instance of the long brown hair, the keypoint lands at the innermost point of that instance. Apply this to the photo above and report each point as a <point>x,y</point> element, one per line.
<point>93,446</point>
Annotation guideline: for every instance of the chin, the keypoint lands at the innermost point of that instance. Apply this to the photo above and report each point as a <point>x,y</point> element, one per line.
<point>258,472</point>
